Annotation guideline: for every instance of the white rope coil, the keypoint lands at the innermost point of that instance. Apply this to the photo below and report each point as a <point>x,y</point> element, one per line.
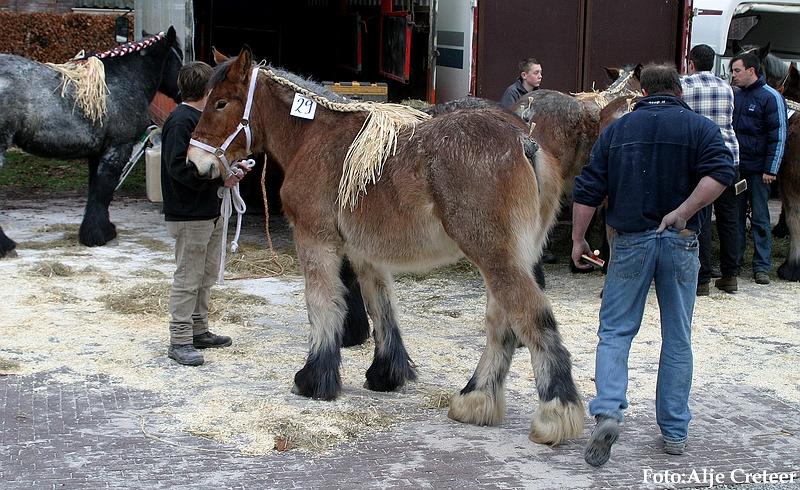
<point>231,199</point>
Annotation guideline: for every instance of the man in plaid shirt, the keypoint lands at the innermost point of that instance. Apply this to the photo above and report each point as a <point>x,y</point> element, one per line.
<point>712,97</point>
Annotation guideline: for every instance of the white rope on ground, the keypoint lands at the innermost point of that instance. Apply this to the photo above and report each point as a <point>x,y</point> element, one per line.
<point>231,199</point>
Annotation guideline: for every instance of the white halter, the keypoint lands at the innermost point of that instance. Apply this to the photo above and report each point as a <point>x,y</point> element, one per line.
<point>243,125</point>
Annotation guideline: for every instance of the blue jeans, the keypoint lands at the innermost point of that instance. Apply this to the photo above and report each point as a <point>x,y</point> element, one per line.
<point>636,260</point>
<point>757,195</point>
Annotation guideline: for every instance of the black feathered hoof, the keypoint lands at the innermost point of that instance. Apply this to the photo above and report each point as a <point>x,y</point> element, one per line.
<point>789,271</point>
<point>7,246</point>
<point>314,382</point>
<point>379,382</point>
<point>97,237</point>
<point>381,376</point>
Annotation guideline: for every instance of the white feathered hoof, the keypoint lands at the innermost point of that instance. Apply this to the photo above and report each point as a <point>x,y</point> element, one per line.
<point>555,422</point>
<point>476,408</point>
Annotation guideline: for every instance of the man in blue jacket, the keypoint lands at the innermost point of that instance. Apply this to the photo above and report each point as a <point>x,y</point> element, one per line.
<point>759,119</point>
<point>660,166</point>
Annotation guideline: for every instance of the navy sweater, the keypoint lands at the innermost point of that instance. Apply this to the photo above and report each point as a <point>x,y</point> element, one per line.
<point>649,161</point>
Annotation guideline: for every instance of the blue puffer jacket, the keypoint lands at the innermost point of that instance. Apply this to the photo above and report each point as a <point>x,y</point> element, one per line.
<point>759,120</point>
<point>650,160</point>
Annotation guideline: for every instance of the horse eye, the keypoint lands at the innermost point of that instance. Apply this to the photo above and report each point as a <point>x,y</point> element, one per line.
<point>221,104</point>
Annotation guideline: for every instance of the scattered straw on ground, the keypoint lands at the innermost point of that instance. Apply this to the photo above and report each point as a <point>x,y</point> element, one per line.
<point>110,317</point>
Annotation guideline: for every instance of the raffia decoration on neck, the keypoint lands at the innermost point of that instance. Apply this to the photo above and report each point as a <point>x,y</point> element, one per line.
<point>88,78</point>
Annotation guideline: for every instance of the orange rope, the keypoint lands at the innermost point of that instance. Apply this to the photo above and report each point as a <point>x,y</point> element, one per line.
<point>272,255</point>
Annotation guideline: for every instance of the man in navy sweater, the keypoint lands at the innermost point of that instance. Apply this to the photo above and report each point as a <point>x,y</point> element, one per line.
<point>660,166</point>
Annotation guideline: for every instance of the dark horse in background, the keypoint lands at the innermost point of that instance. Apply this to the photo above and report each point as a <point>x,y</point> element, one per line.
<point>458,184</point>
<point>37,119</point>
<point>789,177</point>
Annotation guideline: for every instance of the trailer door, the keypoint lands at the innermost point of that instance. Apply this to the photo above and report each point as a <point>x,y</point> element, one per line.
<point>452,63</point>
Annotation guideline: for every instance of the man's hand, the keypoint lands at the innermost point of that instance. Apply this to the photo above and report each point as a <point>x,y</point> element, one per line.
<point>768,178</point>
<point>673,219</point>
<point>580,247</point>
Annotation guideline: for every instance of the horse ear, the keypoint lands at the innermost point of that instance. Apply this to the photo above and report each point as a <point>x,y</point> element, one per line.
<point>171,34</point>
<point>612,73</point>
<point>243,63</point>
<point>736,47</point>
<point>763,51</point>
<point>637,72</point>
<point>219,58</point>
<point>794,74</point>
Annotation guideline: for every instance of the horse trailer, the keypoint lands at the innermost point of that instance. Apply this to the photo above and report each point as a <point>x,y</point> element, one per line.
<point>439,50</point>
<point>727,24</point>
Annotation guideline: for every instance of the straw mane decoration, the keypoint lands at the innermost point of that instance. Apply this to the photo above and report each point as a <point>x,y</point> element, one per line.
<point>88,77</point>
<point>619,87</point>
<point>87,74</point>
<point>373,144</point>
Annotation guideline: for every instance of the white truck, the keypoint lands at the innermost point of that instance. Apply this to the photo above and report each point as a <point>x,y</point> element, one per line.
<point>719,23</point>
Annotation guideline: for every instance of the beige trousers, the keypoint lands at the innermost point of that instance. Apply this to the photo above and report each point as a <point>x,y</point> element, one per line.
<point>198,250</point>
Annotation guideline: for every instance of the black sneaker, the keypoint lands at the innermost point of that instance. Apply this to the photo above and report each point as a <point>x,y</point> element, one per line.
<point>185,354</point>
<point>211,340</point>
<point>605,434</point>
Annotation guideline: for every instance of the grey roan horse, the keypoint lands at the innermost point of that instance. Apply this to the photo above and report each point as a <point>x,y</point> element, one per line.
<point>38,119</point>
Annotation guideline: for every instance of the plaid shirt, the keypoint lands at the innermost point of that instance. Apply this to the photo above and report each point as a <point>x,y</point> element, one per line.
<point>713,97</point>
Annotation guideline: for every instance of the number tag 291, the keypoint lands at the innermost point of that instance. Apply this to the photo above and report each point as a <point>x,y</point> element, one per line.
<point>303,107</point>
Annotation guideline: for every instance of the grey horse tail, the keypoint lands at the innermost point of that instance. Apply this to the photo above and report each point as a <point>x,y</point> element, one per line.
<point>531,147</point>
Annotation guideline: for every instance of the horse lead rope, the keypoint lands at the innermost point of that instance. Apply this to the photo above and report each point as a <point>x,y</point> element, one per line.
<point>232,198</point>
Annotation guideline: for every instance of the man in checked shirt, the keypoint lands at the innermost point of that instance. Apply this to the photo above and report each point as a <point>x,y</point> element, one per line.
<point>712,97</point>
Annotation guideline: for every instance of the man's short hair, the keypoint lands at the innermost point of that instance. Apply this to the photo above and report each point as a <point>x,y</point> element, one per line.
<point>703,57</point>
<point>193,80</point>
<point>661,78</point>
<point>527,63</point>
<point>749,60</point>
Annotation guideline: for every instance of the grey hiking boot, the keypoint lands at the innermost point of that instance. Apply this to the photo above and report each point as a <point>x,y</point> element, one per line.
<point>185,354</point>
<point>605,434</point>
<point>211,340</point>
<point>762,277</point>
<point>674,448</point>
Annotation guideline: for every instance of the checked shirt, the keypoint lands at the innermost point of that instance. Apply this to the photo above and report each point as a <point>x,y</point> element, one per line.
<point>712,97</point>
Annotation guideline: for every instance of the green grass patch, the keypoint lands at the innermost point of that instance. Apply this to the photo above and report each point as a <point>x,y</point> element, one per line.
<point>25,172</point>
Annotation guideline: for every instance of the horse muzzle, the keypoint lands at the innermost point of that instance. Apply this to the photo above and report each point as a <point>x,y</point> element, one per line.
<point>205,165</point>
